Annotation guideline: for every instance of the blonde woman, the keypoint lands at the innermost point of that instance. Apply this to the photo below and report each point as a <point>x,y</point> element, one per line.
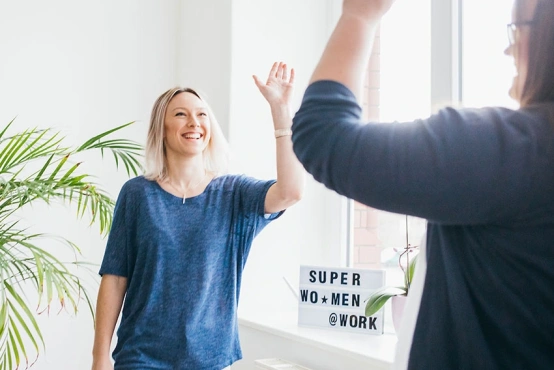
<point>181,236</point>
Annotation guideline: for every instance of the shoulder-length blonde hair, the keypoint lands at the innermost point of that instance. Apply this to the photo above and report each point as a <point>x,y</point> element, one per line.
<point>539,83</point>
<point>216,156</point>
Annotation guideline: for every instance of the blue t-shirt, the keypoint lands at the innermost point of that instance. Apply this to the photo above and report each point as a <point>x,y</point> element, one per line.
<point>183,264</point>
<point>484,179</point>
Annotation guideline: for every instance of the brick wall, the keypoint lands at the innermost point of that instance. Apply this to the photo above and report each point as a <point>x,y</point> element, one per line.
<point>367,246</point>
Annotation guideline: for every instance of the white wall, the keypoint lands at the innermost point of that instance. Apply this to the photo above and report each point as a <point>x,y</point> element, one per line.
<point>310,232</point>
<point>204,51</point>
<point>83,67</point>
<point>88,67</point>
<point>294,32</point>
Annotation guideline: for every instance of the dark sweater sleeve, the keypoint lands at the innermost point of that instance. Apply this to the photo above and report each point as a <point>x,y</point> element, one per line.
<point>458,166</point>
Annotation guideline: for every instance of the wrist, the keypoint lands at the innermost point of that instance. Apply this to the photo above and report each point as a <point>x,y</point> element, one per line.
<point>279,108</point>
<point>282,118</point>
<point>280,132</point>
<point>100,352</point>
<point>364,21</point>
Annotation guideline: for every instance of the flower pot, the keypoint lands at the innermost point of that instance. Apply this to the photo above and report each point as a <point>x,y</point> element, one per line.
<point>398,303</point>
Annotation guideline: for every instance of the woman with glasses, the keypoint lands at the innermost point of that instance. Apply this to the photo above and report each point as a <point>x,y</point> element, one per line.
<point>483,296</point>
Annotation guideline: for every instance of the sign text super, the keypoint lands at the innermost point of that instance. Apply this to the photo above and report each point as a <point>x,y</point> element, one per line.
<point>321,277</point>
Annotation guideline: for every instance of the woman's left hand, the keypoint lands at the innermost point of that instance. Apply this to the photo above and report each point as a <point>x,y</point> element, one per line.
<point>278,88</point>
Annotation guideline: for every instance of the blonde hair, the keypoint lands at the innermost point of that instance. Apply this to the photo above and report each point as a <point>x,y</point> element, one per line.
<point>215,155</point>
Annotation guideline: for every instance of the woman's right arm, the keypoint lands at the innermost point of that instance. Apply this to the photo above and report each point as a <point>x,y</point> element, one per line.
<point>108,306</point>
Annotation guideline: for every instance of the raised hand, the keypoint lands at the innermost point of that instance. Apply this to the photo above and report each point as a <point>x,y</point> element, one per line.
<point>278,88</point>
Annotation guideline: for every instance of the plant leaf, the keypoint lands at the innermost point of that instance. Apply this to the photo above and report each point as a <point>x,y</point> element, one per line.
<point>378,299</point>
<point>411,271</point>
<point>35,166</point>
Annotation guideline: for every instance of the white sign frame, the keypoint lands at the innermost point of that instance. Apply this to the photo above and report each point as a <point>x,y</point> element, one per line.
<point>333,298</point>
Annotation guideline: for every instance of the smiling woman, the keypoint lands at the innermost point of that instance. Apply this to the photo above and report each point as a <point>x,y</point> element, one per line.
<point>187,133</point>
<point>179,264</point>
<point>216,154</point>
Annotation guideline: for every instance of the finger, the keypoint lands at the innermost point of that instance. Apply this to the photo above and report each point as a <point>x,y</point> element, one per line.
<point>292,75</point>
<point>285,72</point>
<point>273,70</point>
<point>279,73</point>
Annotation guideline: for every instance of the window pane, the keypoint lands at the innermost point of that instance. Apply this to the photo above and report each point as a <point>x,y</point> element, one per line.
<point>397,89</point>
<point>486,72</point>
<point>406,61</point>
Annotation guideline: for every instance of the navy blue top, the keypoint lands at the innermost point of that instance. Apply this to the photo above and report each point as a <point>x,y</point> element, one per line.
<point>484,179</point>
<point>183,264</point>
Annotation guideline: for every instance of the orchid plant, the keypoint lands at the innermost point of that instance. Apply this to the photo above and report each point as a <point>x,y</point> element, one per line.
<point>407,260</point>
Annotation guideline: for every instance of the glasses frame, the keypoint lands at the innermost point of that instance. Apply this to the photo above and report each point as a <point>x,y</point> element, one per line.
<point>512,29</point>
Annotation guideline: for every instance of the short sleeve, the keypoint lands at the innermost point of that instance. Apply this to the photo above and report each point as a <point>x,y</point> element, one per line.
<point>115,261</point>
<point>252,200</point>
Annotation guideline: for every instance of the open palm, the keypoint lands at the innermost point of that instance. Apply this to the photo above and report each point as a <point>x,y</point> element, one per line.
<point>278,88</point>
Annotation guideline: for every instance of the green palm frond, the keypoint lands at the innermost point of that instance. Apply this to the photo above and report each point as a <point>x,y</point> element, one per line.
<point>31,144</point>
<point>23,262</point>
<point>34,166</point>
<point>123,150</point>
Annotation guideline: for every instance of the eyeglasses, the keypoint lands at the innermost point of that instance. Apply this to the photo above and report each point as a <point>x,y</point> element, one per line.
<point>512,28</point>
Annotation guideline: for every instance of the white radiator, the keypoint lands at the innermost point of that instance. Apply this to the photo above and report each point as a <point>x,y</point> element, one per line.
<point>277,364</point>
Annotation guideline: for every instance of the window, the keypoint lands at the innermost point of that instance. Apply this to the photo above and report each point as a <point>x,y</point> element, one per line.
<point>486,70</point>
<point>468,64</point>
<point>397,89</point>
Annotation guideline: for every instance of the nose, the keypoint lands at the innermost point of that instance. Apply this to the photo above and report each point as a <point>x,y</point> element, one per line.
<point>509,50</point>
<point>194,122</point>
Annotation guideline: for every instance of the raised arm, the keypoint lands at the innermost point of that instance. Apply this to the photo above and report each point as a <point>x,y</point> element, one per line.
<point>277,90</point>
<point>459,166</point>
<point>347,52</point>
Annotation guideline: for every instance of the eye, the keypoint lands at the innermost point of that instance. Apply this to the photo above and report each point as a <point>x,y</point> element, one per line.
<point>202,114</point>
<point>180,114</point>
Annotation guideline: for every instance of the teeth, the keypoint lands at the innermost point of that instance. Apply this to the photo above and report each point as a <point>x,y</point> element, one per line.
<point>192,136</point>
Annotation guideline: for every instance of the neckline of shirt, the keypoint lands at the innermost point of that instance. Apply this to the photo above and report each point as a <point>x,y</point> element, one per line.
<point>188,199</point>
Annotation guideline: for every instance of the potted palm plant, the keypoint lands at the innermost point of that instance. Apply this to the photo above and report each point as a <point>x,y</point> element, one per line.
<point>407,260</point>
<point>35,167</point>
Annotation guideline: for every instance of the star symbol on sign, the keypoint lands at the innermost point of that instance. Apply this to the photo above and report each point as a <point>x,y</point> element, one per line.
<point>324,299</point>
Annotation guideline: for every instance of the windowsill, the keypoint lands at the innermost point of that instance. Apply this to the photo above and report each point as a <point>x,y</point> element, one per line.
<point>280,318</point>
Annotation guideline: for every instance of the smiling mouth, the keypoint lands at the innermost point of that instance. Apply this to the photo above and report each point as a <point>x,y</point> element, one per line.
<point>192,135</point>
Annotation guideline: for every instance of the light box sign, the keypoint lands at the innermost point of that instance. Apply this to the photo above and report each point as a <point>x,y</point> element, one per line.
<point>334,298</point>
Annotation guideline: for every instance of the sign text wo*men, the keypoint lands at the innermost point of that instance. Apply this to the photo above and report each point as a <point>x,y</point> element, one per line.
<point>334,298</point>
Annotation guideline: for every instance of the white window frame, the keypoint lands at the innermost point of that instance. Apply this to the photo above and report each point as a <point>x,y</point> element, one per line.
<point>446,85</point>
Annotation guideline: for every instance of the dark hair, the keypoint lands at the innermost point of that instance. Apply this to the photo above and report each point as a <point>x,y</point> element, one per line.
<point>539,83</point>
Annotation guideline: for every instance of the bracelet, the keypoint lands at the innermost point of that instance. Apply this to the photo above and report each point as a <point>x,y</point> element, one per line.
<point>283,132</point>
